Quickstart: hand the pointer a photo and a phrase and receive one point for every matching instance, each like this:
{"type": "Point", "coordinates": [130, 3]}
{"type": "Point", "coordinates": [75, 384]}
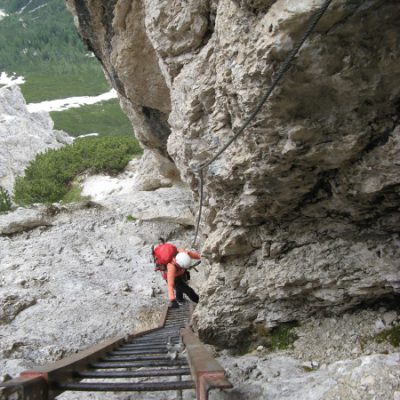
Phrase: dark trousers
{"type": "Point", "coordinates": [181, 287]}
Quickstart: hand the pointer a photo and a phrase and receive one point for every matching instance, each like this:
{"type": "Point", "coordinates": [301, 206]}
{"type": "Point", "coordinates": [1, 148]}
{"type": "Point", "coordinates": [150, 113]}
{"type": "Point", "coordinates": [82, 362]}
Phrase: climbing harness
{"type": "Point", "coordinates": [281, 72]}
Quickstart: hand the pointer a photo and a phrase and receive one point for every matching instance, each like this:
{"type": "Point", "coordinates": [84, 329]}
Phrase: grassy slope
{"type": "Point", "coordinates": [108, 116]}
{"type": "Point", "coordinates": [48, 84]}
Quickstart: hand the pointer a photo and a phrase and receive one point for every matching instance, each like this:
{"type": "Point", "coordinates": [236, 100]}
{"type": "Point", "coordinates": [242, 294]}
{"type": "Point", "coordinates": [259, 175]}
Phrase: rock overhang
{"type": "Point", "coordinates": [301, 213]}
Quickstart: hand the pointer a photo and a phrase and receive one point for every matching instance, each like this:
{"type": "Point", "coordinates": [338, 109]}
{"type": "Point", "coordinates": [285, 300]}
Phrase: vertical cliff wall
{"type": "Point", "coordinates": [302, 212]}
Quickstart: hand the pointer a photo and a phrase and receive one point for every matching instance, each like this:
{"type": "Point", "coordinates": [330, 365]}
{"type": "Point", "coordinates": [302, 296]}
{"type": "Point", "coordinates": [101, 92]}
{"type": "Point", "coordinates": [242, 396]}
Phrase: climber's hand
{"type": "Point", "coordinates": [174, 304]}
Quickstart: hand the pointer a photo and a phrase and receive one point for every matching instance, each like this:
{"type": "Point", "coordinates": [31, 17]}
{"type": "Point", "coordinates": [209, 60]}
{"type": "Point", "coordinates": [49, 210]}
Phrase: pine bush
{"type": "Point", "coordinates": [5, 200]}
{"type": "Point", "coordinates": [49, 176]}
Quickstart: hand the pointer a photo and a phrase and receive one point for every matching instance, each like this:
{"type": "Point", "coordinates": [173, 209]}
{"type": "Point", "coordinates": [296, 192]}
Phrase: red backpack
{"type": "Point", "coordinates": [164, 253]}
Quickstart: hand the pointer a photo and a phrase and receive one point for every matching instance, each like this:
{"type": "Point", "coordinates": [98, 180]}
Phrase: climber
{"type": "Point", "coordinates": [173, 264]}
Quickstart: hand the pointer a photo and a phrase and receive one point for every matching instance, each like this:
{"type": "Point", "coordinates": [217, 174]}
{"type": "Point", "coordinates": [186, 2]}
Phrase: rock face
{"type": "Point", "coordinates": [22, 135]}
{"type": "Point", "coordinates": [301, 213]}
{"type": "Point", "coordinates": [284, 378]}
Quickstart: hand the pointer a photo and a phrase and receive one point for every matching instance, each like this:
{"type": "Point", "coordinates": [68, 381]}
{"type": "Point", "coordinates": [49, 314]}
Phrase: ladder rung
{"type": "Point", "coordinates": [135, 358]}
{"type": "Point", "coordinates": [143, 347]}
{"type": "Point", "coordinates": [133, 364]}
{"type": "Point", "coordinates": [160, 338]}
{"type": "Point", "coordinates": [154, 342]}
{"type": "Point", "coordinates": [134, 374]}
{"type": "Point", "coordinates": [126, 387]}
{"type": "Point", "coordinates": [137, 352]}
{"type": "Point", "coordinates": [165, 335]}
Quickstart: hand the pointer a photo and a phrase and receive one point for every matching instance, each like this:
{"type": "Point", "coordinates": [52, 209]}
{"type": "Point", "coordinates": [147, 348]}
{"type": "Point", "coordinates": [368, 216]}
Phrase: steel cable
{"type": "Point", "coordinates": [281, 72]}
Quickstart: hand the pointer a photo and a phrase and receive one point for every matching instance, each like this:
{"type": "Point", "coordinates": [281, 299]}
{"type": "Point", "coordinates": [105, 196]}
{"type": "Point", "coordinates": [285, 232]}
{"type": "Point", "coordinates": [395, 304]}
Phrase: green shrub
{"type": "Point", "coordinates": [48, 178]}
{"type": "Point", "coordinates": [5, 200]}
{"type": "Point", "coordinates": [281, 337]}
{"type": "Point", "coordinates": [74, 194]}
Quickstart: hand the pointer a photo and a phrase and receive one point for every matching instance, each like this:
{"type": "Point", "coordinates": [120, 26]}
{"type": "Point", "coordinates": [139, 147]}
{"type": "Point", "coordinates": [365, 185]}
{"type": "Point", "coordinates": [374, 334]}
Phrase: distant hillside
{"type": "Point", "coordinates": [38, 40]}
{"type": "Point", "coordinates": [39, 32]}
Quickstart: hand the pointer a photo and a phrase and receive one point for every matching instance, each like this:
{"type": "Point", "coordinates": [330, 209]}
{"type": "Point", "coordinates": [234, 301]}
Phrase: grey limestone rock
{"type": "Point", "coordinates": [285, 378]}
{"type": "Point", "coordinates": [24, 219]}
{"type": "Point", "coordinates": [156, 171]}
{"type": "Point", "coordinates": [23, 135]}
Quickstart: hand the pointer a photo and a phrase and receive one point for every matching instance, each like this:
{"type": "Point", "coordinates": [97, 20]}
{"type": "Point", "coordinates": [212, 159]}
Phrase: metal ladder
{"type": "Point", "coordinates": [152, 356]}
{"type": "Point", "coordinates": [168, 357]}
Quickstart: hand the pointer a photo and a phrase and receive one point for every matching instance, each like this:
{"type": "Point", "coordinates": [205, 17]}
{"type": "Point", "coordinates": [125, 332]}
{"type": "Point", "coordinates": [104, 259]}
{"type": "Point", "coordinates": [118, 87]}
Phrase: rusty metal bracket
{"type": "Point", "coordinates": [206, 371]}
{"type": "Point", "coordinates": [25, 388]}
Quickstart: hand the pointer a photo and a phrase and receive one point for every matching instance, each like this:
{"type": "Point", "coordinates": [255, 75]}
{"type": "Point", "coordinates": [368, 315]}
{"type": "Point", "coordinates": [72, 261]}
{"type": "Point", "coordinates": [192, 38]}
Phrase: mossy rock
{"type": "Point", "coordinates": [391, 336]}
{"type": "Point", "coordinates": [281, 337]}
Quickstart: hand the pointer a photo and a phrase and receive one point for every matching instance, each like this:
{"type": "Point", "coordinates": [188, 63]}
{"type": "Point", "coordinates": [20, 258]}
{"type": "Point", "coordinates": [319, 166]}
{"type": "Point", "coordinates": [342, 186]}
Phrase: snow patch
{"type": "Point", "coordinates": [37, 8]}
{"type": "Point", "coordinates": [10, 80]}
{"type": "Point", "coordinates": [87, 135]}
{"type": "Point", "coordinates": [71, 102]}
{"type": "Point", "coordinates": [7, 118]}
{"type": "Point", "coordinates": [3, 14]}
{"type": "Point", "coordinates": [23, 8]}
{"type": "Point", "coordinates": [100, 187]}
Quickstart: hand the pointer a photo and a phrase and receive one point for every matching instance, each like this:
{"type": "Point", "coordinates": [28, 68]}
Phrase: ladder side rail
{"type": "Point", "coordinates": [206, 371]}
{"type": "Point", "coordinates": [31, 382]}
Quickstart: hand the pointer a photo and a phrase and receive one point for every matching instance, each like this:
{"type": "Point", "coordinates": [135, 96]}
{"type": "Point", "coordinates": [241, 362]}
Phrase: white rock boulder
{"type": "Point", "coordinates": [23, 135]}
